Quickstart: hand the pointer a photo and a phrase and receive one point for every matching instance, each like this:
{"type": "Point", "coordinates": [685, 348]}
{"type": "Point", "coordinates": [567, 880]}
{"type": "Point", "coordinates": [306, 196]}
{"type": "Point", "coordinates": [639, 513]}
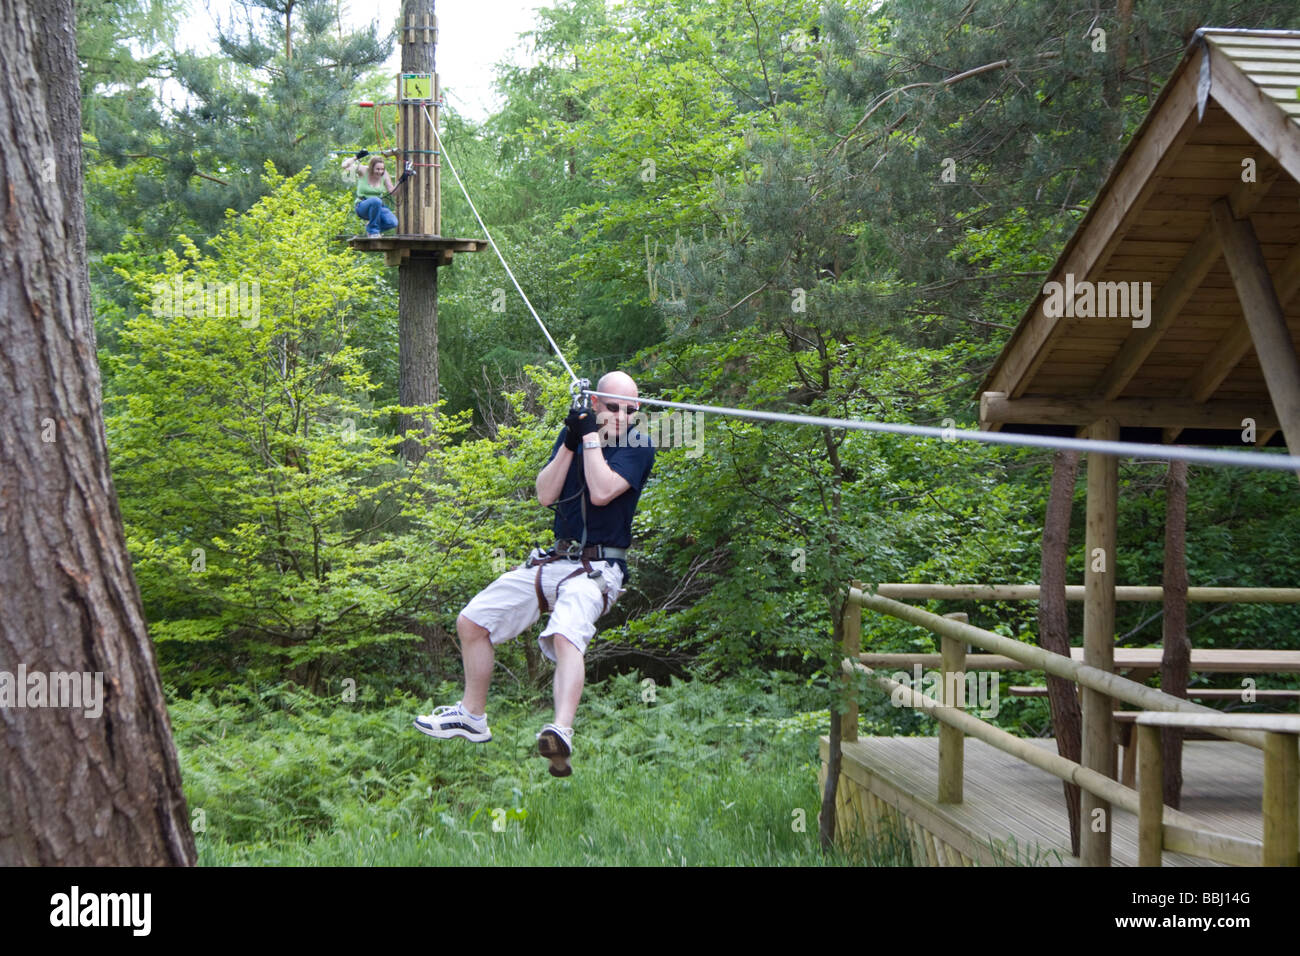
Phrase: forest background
{"type": "Point", "coordinates": [786, 205]}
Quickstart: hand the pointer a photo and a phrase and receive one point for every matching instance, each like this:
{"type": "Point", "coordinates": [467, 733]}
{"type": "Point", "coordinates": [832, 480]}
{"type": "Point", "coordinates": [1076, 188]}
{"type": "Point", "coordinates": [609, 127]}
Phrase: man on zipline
{"type": "Point", "coordinates": [594, 479]}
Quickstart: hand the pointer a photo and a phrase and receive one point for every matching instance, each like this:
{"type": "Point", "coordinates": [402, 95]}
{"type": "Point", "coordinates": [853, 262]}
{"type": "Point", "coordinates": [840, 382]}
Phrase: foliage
{"type": "Point", "coordinates": [283, 778]}
{"type": "Point", "coordinates": [269, 521]}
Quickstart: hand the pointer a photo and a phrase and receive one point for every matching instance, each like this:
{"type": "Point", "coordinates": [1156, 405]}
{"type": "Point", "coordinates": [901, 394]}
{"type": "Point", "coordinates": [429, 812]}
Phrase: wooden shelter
{"type": "Point", "coordinates": [1169, 317]}
{"type": "Point", "coordinates": [1165, 316]}
{"type": "Point", "coordinates": [1204, 206]}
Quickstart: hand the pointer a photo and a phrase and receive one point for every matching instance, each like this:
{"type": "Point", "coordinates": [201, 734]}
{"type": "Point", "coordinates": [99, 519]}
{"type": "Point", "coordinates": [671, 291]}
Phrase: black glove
{"type": "Point", "coordinates": [571, 437]}
{"type": "Point", "coordinates": [362, 153]}
{"type": "Point", "coordinates": [580, 423]}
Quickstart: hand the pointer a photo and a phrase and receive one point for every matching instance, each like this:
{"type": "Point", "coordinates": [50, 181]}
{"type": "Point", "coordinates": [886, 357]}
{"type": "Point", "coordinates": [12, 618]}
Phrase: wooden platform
{"type": "Point", "coordinates": [1013, 812]}
{"type": "Point", "coordinates": [398, 247]}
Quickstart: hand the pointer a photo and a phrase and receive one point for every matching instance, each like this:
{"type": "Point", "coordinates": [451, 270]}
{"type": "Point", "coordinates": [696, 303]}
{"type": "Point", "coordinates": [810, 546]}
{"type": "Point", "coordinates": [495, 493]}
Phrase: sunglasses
{"type": "Point", "coordinates": [615, 407]}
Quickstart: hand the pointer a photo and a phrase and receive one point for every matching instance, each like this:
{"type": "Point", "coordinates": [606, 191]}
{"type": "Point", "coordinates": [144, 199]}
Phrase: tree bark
{"type": "Point", "coordinates": [417, 346]}
{"type": "Point", "coordinates": [76, 787]}
{"type": "Point", "coordinates": [417, 280]}
{"type": "Point", "coordinates": [1053, 624]}
{"type": "Point", "coordinates": [1176, 657]}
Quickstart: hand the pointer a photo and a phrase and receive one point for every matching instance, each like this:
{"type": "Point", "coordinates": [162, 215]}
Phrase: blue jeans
{"type": "Point", "coordinates": [378, 216]}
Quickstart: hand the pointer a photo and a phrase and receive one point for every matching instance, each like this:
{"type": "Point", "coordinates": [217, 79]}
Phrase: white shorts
{"type": "Point", "coordinates": [508, 606]}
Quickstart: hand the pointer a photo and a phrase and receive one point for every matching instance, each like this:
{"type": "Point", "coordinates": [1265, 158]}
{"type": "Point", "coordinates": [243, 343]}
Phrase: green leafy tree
{"type": "Point", "coordinates": [273, 530]}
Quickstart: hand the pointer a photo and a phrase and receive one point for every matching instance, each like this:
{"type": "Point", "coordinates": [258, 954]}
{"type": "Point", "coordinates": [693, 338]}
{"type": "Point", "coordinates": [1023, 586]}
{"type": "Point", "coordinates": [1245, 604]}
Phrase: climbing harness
{"type": "Point", "coordinates": [569, 550]}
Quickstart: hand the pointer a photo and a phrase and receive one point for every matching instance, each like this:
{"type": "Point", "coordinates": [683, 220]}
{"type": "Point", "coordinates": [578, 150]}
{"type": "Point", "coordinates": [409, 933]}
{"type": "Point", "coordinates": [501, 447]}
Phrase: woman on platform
{"type": "Point", "coordinates": [373, 183]}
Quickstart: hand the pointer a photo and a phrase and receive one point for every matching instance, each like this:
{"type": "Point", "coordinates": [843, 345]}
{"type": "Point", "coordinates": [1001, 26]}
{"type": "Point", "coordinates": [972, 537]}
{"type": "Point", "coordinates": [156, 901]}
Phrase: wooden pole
{"type": "Point", "coordinates": [852, 647]}
{"type": "Point", "coordinates": [417, 275]}
{"type": "Point", "coordinates": [1151, 823]}
{"type": "Point", "coordinates": [1075, 592]}
{"type": "Point", "coordinates": [1175, 663]}
{"type": "Point", "coordinates": [1053, 623]}
{"type": "Point", "coordinates": [1281, 799]}
{"type": "Point", "coordinates": [1264, 316]}
{"type": "Point", "coordinates": [952, 742]}
{"type": "Point", "coordinates": [1099, 640]}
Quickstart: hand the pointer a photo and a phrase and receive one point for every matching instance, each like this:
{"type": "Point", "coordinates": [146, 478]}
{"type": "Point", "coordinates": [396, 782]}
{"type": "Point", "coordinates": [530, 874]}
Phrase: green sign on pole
{"type": "Point", "coordinates": [417, 86]}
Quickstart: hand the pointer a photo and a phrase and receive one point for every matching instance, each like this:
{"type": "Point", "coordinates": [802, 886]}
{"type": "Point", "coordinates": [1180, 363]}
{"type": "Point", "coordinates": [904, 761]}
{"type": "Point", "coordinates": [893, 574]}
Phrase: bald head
{"type": "Point", "coordinates": [617, 383]}
{"type": "Point", "coordinates": [613, 423]}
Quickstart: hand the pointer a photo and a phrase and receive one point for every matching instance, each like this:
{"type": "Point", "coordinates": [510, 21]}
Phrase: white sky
{"type": "Point", "coordinates": [473, 35]}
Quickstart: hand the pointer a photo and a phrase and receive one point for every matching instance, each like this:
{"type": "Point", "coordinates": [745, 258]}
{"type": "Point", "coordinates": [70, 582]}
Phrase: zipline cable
{"type": "Point", "coordinates": [1206, 456]}
{"type": "Point", "coordinates": [486, 232]}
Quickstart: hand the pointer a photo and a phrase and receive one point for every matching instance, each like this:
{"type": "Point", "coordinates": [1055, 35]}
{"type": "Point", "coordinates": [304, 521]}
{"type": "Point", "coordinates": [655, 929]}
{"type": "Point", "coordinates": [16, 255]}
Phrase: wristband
{"type": "Point", "coordinates": [591, 442]}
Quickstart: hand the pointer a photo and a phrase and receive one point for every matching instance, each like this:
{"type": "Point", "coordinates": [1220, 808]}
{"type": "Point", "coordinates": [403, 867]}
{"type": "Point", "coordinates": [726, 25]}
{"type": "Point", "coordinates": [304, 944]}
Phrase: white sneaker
{"type": "Point", "coordinates": [556, 743]}
{"type": "Point", "coordinates": [454, 721]}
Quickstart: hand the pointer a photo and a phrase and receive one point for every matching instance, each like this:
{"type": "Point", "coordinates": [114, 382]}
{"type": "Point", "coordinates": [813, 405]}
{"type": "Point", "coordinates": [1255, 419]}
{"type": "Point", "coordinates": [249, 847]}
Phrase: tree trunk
{"type": "Point", "coordinates": [96, 783]}
{"type": "Point", "coordinates": [1053, 624]}
{"type": "Point", "coordinates": [417, 346]}
{"type": "Point", "coordinates": [417, 279]}
{"type": "Point", "coordinates": [1176, 657]}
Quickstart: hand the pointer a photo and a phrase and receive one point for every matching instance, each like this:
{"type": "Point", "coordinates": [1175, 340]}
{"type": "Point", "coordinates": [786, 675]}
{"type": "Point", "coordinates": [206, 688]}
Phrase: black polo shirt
{"type": "Point", "coordinates": [611, 524]}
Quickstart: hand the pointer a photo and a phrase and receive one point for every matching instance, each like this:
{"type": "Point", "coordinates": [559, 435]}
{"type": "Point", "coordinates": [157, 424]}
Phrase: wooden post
{"type": "Point", "coordinates": [1151, 807]}
{"type": "Point", "coordinates": [1099, 640]}
{"type": "Point", "coordinates": [952, 742]}
{"type": "Point", "coordinates": [417, 274]}
{"type": "Point", "coordinates": [435, 171]}
{"type": "Point", "coordinates": [1264, 316]}
{"type": "Point", "coordinates": [1175, 660]}
{"type": "Point", "coordinates": [852, 647]}
{"type": "Point", "coordinates": [1281, 799]}
{"type": "Point", "coordinates": [1053, 624]}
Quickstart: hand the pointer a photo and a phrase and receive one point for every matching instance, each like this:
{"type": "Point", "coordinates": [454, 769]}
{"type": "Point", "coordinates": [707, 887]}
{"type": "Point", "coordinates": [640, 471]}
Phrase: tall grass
{"type": "Point", "coordinates": [702, 774]}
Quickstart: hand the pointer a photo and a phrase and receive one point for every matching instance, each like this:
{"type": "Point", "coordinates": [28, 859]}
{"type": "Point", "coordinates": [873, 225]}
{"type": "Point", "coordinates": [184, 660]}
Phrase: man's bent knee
{"type": "Point", "coordinates": [469, 630]}
{"type": "Point", "coordinates": [565, 647]}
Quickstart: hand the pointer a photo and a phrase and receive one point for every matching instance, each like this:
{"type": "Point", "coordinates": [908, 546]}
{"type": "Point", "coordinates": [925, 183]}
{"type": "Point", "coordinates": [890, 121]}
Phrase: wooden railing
{"type": "Point", "coordinates": [1160, 827]}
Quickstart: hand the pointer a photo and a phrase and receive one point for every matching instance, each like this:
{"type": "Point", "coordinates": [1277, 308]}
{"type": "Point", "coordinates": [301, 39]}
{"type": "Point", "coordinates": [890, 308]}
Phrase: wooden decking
{"type": "Point", "coordinates": [1015, 811]}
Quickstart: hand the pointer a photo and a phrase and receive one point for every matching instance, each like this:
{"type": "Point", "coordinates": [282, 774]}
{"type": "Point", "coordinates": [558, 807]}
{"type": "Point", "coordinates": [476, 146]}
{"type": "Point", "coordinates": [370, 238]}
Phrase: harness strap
{"type": "Point", "coordinates": [542, 605]}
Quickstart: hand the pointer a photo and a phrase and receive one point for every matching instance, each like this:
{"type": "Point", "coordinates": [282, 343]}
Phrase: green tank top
{"type": "Point", "coordinates": [366, 191]}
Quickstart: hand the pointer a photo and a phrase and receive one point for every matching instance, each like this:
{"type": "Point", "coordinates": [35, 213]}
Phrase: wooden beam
{"type": "Point", "coordinates": [1131, 184]}
{"type": "Point", "coordinates": [1151, 808]}
{"type": "Point", "coordinates": [1095, 815]}
{"type": "Point", "coordinates": [1264, 316]}
{"type": "Point", "coordinates": [1176, 660]}
{"type": "Point", "coordinates": [1182, 284]}
{"type": "Point", "coordinates": [997, 408]}
{"type": "Point", "coordinates": [1246, 197]}
{"type": "Point", "coordinates": [1260, 116]}
{"type": "Point", "coordinates": [1169, 301]}
{"type": "Point", "coordinates": [1271, 723]}
{"type": "Point", "coordinates": [1232, 348]}
{"type": "Point", "coordinates": [852, 638]}
{"type": "Point", "coordinates": [952, 742]}
{"type": "Point", "coordinates": [1075, 592]}
{"type": "Point", "coordinates": [1281, 799]}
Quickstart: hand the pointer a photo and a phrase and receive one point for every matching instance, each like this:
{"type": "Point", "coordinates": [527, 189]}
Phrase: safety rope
{"type": "Point", "coordinates": [1205, 456]}
{"type": "Point", "coordinates": [505, 265]}
{"type": "Point", "coordinates": [1123, 449]}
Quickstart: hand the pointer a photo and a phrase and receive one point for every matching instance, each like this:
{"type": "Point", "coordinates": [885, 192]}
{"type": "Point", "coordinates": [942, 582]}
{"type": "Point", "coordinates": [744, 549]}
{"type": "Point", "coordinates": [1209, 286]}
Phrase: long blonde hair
{"type": "Point", "coordinates": [371, 176]}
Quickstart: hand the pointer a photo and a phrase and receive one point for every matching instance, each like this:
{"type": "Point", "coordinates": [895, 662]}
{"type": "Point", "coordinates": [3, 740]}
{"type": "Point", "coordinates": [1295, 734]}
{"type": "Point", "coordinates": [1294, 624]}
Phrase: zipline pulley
{"type": "Point", "coordinates": [578, 393]}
